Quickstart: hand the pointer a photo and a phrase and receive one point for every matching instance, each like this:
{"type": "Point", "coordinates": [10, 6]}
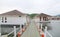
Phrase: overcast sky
{"type": "Point", "coordinates": [51, 7]}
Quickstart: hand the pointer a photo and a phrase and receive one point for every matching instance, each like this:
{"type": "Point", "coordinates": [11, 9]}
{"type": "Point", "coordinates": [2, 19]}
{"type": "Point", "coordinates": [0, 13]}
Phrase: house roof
{"type": "Point", "coordinates": [13, 12]}
{"type": "Point", "coordinates": [42, 14]}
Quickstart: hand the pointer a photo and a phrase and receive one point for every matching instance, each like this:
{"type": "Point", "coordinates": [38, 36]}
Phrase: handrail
{"type": "Point", "coordinates": [11, 32]}
{"type": "Point", "coordinates": [48, 33]}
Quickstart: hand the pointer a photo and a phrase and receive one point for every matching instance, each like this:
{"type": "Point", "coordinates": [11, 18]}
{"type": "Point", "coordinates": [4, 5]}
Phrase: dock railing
{"type": "Point", "coordinates": [15, 32]}
{"type": "Point", "coordinates": [46, 32]}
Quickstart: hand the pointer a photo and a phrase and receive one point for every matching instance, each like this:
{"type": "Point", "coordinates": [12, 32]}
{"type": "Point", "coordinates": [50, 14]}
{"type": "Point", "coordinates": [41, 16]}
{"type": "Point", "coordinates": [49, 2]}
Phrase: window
{"type": "Point", "coordinates": [5, 21]}
{"type": "Point", "coordinates": [44, 18]}
{"type": "Point", "coordinates": [22, 26]}
{"type": "Point", "coordinates": [53, 18]}
{"type": "Point", "coordinates": [40, 18]}
{"type": "Point", "coordinates": [58, 18]}
{"type": "Point", "coordinates": [5, 18]}
{"type": "Point", "coordinates": [2, 19]}
{"type": "Point", "coordinates": [19, 16]}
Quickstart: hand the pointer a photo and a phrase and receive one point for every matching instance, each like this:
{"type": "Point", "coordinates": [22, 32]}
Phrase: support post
{"type": "Point", "coordinates": [0, 30]}
{"type": "Point", "coordinates": [20, 29]}
{"type": "Point", "coordinates": [14, 31]}
{"type": "Point", "coordinates": [45, 31]}
{"type": "Point", "coordinates": [41, 26]}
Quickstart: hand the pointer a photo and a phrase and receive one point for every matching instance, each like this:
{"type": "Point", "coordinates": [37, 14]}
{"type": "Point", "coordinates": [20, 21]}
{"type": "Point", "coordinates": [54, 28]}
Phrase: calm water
{"type": "Point", "coordinates": [55, 31]}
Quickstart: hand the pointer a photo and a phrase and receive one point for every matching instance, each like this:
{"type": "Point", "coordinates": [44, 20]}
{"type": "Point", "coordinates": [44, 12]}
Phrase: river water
{"type": "Point", "coordinates": [55, 31]}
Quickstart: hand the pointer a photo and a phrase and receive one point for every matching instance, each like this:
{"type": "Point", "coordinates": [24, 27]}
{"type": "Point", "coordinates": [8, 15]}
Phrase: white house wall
{"type": "Point", "coordinates": [14, 20]}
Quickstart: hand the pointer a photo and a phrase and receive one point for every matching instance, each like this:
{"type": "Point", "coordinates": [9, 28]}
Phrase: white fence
{"type": "Point", "coordinates": [46, 32]}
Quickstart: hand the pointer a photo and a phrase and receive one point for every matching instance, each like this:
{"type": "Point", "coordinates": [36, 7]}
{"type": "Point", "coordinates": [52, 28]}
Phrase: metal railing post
{"type": "Point", "coordinates": [20, 29]}
{"type": "Point", "coordinates": [14, 31]}
{"type": "Point", "coordinates": [45, 31]}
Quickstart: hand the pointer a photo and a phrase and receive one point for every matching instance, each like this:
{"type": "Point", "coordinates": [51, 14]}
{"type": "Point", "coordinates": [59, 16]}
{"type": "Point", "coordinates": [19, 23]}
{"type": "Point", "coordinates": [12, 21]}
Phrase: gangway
{"type": "Point", "coordinates": [31, 31]}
